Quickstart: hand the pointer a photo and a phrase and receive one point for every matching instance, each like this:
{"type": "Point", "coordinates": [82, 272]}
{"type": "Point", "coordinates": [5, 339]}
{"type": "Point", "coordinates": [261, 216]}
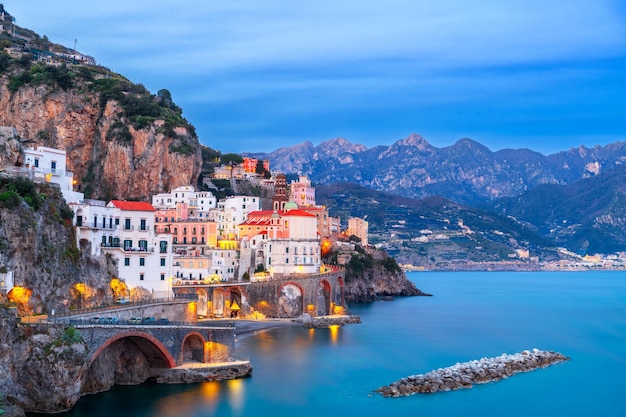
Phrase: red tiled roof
{"type": "Point", "coordinates": [298, 213]}
{"type": "Point", "coordinates": [132, 205]}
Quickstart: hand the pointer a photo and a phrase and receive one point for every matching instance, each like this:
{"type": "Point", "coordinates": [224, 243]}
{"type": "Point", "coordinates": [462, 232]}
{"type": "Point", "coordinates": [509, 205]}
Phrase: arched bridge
{"type": "Point", "coordinates": [163, 346]}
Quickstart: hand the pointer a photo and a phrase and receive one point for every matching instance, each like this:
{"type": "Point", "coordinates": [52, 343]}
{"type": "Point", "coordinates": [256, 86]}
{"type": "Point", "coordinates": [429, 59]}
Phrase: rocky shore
{"type": "Point", "coordinates": [465, 375]}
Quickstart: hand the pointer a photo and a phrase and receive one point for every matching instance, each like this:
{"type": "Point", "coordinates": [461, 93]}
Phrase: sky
{"type": "Point", "coordinates": [254, 76]}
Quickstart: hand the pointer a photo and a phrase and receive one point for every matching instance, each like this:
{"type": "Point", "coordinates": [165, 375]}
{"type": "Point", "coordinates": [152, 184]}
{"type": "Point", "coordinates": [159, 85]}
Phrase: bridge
{"type": "Point", "coordinates": [163, 346]}
{"type": "Point", "coordinates": [165, 333]}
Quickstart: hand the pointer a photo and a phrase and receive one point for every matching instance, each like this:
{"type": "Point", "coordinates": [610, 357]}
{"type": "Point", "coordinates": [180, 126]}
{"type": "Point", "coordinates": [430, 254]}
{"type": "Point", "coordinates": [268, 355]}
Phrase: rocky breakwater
{"type": "Point", "coordinates": [465, 375]}
{"type": "Point", "coordinates": [326, 321]}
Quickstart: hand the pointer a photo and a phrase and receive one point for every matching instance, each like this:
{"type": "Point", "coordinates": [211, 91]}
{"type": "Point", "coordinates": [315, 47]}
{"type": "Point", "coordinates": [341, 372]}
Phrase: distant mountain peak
{"type": "Point", "coordinates": [414, 140]}
{"type": "Point", "coordinates": [338, 146]}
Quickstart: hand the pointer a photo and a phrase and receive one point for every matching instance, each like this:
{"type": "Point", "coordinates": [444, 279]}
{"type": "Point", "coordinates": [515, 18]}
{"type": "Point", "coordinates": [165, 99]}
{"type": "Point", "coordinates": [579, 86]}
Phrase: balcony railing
{"type": "Point", "coordinates": [127, 248]}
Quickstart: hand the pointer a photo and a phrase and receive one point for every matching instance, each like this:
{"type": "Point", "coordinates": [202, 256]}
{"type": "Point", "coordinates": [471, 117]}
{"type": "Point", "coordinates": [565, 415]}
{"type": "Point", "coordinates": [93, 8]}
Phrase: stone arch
{"type": "Point", "coordinates": [217, 303]}
{"type": "Point", "coordinates": [203, 298]}
{"type": "Point", "coordinates": [290, 300]}
{"type": "Point", "coordinates": [154, 351]}
{"type": "Point", "coordinates": [339, 298]}
{"type": "Point", "coordinates": [235, 301]}
{"type": "Point", "coordinates": [322, 299]}
{"type": "Point", "coordinates": [192, 348]}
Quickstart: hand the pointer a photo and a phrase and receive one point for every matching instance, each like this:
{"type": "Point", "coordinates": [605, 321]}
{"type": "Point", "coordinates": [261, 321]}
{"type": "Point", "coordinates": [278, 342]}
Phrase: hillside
{"type": "Point", "coordinates": [587, 216]}
{"type": "Point", "coordinates": [435, 232]}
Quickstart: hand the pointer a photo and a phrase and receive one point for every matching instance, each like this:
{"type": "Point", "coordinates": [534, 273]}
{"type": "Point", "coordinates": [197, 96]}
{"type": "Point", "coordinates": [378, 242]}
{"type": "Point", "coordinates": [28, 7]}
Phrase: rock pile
{"type": "Point", "coordinates": [465, 375]}
{"type": "Point", "coordinates": [326, 321]}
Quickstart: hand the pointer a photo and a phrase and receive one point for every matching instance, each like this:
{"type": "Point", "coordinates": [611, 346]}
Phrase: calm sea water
{"type": "Point", "coordinates": [471, 315]}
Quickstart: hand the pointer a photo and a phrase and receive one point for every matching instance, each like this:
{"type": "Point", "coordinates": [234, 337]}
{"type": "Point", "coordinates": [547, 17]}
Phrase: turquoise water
{"type": "Point", "coordinates": [472, 315]}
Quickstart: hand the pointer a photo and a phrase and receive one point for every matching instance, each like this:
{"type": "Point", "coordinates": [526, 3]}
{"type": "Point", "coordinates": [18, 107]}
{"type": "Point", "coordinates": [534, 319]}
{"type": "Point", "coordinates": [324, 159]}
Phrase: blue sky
{"type": "Point", "coordinates": [254, 76]}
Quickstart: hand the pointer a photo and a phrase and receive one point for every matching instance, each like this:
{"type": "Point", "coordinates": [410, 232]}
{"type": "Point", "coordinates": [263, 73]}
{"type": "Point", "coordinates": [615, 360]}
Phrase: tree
{"type": "Point", "coordinates": [231, 158]}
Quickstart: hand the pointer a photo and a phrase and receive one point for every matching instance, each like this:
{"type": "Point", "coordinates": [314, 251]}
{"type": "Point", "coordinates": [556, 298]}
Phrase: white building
{"type": "Point", "coordinates": [198, 201]}
{"type": "Point", "coordinates": [232, 211]}
{"type": "Point", "coordinates": [49, 165]}
{"type": "Point", "coordinates": [298, 252]}
{"type": "Point", "coordinates": [144, 259]}
{"type": "Point", "coordinates": [302, 193]}
{"type": "Point", "coordinates": [97, 224]}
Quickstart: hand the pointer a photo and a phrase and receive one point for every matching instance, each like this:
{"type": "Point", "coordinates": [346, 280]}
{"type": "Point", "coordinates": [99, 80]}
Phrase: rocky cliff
{"type": "Point", "coordinates": [42, 367]}
{"type": "Point", "coordinates": [121, 141]}
{"type": "Point", "coordinates": [373, 275]}
{"type": "Point", "coordinates": [37, 244]}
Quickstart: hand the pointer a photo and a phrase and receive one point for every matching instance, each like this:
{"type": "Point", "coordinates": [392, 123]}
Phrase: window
{"type": "Point", "coordinates": [143, 245]}
{"type": "Point", "coordinates": [126, 224]}
{"type": "Point", "coordinates": [79, 221]}
{"type": "Point", "coordinates": [163, 246]}
{"type": "Point", "coordinates": [287, 250]}
{"type": "Point", "coordinates": [142, 224]}
{"type": "Point", "coordinates": [162, 261]}
{"type": "Point", "coordinates": [104, 240]}
{"type": "Point", "coordinates": [175, 240]}
{"type": "Point", "coordinates": [162, 277]}
{"type": "Point", "coordinates": [128, 244]}
{"type": "Point", "coordinates": [117, 222]}
{"type": "Point", "coordinates": [36, 162]}
{"type": "Point", "coordinates": [104, 222]}
{"type": "Point", "coordinates": [142, 261]}
{"type": "Point", "coordinates": [193, 239]}
{"type": "Point", "coordinates": [126, 261]}
{"type": "Point", "coordinates": [286, 260]}
{"type": "Point", "coordinates": [140, 277]}
{"type": "Point", "coordinates": [95, 221]}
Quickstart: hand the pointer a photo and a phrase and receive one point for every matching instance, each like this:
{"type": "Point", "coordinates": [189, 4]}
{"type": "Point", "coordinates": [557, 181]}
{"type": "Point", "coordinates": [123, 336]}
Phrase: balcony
{"type": "Point", "coordinates": [127, 249]}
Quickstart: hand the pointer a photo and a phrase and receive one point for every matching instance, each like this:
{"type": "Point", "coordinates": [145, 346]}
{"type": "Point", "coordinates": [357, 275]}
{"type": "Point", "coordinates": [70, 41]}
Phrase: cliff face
{"type": "Point", "coordinates": [37, 243]}
{"type": "Point", "coordinates": [109, 156]}
{"type": "Point", "coordinates": [43, 367]}
{"type": "Point", "coordinates": [373, 274]}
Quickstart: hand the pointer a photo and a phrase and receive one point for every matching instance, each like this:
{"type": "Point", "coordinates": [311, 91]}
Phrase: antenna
{"type": "Point", "coordinates": [75, 41]}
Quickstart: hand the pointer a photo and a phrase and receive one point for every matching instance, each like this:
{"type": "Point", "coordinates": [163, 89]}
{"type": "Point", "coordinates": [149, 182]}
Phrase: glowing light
{"type": "Point", "coordinates": [210, 390]}
{"type": "Point", "coordinates": [192, 309]}
{"type": "Point", "coordinates": [235, 393]}
{"type": "Point", "coordinates": [334, 333]}
{"type": "Point", "coordinates": [339, 310]}
{"type": "Point", "coordinates": [81, 287]}
{"type": "Point", "coordinates": [20, 295]}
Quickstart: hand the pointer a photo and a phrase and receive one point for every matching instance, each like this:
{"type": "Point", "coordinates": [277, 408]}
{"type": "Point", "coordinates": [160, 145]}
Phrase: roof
{"type": "Point", "coordinates": [132, 205]}
{"type": "Point", "coordinates": [299, 213]}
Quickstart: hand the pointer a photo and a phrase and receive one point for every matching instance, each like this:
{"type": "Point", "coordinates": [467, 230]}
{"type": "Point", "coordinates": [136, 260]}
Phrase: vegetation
{"type": "Point", "coordinates": [140, 108]}
{"type": "Point", "coordinates": [15, 190]}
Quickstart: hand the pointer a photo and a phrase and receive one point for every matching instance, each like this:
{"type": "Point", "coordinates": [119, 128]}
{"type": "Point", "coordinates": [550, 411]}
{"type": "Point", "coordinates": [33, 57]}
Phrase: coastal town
{"type": "Point", "coordinates": [187, 242]}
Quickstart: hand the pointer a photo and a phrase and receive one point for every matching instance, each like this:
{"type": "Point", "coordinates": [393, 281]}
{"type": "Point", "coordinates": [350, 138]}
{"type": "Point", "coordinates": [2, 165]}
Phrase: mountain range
{"type": "Point", "coordinates": [465, 172]}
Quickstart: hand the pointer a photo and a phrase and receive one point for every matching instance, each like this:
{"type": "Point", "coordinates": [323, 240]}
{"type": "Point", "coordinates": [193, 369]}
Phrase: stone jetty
{"type": "Point", "coordinates": [465, 375]}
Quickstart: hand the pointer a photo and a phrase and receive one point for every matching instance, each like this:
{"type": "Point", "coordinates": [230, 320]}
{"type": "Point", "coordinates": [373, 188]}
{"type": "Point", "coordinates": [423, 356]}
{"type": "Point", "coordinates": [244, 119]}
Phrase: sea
{"type": "Point", "coordinates": [334, 371]}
